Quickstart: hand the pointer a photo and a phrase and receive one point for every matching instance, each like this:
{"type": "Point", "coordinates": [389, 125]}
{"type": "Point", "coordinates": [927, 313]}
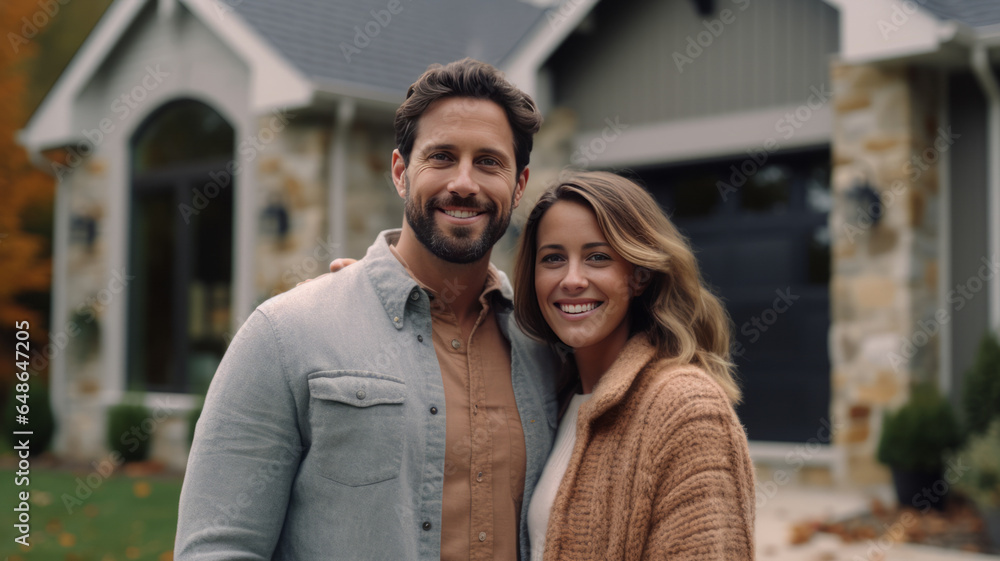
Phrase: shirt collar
{"type": "Point", "coordinates": [394, 285]}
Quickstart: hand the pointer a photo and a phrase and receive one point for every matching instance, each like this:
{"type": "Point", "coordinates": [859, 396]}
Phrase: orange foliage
{"type": "Point", "coordinates": [24, 269]}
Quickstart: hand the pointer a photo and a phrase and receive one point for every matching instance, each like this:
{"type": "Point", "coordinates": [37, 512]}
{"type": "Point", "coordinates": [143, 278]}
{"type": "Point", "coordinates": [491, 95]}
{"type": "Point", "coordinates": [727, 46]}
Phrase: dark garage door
{"type": "Point", "coordinates": [764, 246]}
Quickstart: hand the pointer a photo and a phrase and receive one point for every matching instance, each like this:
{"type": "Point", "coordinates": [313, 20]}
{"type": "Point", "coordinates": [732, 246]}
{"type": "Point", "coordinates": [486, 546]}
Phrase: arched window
{"type": "Point", "coordinates": [181, 243]}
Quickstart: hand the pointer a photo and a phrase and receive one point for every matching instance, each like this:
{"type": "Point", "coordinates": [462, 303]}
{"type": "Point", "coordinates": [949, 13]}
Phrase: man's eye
{"type": "Point", "coordinates": [438, 156]}
{"type": "Point", "coordinates": [489, 162]}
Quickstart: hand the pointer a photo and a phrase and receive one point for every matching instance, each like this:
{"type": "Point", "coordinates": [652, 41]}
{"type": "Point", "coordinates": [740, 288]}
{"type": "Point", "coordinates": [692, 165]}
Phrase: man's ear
{"type": "Point", "coordinates": [522, 181]}
{"type": "Point", "coordinates": [399, 173]}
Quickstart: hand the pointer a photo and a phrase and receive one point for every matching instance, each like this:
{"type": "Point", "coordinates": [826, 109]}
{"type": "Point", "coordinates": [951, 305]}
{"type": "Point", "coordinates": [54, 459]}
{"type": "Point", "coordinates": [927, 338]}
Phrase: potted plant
{"type": "Point", "coordinates": [913, 444]}
{"type": "Point", "coordinates": [981, 480]}
{"type": "Point", "coordinates": [981, 396]}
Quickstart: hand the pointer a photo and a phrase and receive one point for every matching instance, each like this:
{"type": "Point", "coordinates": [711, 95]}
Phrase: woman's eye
{"type": "Point", "coordinates": [600, 257]}
{"type": "Point", "coordinates": [551, 258]}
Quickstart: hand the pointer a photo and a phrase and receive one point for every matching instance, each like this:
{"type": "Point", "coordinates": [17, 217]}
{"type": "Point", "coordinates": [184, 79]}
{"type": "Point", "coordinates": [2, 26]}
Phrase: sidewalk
{"type": "Point", "coordinates": [796, 503]}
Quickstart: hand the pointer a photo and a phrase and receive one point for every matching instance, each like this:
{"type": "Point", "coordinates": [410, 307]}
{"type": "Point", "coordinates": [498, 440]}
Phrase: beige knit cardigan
{"type": "Point", "coordinates": [660, 469]}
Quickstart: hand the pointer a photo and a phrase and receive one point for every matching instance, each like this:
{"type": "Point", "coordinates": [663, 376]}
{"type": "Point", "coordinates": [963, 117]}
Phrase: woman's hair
{"type": "Point", "coordinates": [679, 315]}
{"type": "Point", "coordinates": [470, 79]}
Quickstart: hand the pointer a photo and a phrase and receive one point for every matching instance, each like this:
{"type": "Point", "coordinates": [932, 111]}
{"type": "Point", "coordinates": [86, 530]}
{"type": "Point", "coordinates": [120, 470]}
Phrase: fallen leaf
{"type": "Point", "coordinates": [132, 552]}
{"type": "Point", "coordinates": [67, 540]}
{"type": "Point", "coordinates": [141, 489]}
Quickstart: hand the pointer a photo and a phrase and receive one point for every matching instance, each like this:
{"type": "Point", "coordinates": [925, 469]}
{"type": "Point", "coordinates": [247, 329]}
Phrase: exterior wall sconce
{"type": "Point", "coordinates": [274, 219]}
{"type": "Point", "coordinates": [83, 230]}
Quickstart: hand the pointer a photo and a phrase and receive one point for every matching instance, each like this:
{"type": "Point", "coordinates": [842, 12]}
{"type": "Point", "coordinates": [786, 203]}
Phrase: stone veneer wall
{"type": "Point", "coordinates": [884, 279]}
{"type": "Point", "coordinates": [80, 412]}
{"type": "Point", "coordinates": [293, 171]}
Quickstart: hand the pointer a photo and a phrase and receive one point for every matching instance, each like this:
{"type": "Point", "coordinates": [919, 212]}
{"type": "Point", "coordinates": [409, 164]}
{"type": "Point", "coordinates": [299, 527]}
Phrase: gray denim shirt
{"type": "Point", "coordinates": [317, 439]}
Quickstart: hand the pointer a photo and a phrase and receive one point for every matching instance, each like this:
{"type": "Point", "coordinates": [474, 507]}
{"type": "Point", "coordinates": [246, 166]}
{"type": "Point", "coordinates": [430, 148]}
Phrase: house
{"type": "Point", "coordinates": [834, 163]}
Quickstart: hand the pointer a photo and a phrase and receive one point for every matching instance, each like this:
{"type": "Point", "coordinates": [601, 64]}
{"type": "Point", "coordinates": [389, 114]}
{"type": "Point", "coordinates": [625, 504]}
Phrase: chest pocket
{"type": "Point", "coordinates": [356, 419]}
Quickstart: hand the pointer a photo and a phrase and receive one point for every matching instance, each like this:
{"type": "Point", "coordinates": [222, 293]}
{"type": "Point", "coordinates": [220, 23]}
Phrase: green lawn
{"type": "Point", "coordinates": [123, 518]}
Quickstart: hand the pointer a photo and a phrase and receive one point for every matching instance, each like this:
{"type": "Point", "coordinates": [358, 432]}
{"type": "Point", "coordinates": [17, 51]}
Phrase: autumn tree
{"type": "Point", "coordinates": [24, 190]}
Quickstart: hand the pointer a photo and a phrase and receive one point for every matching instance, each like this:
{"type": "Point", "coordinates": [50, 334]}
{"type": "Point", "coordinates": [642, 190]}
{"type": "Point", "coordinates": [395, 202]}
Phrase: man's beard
{"type": "Point", "coordinates": [460, 247]}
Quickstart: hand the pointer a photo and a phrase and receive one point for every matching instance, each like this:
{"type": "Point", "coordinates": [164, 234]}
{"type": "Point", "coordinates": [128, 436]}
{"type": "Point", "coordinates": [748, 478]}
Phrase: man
{"type": "Point", "coordinates": [392, 410]}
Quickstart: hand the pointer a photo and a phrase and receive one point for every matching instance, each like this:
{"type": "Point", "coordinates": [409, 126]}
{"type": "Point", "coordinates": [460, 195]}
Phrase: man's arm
{"type": "Point", "coordinates": [245, 454]}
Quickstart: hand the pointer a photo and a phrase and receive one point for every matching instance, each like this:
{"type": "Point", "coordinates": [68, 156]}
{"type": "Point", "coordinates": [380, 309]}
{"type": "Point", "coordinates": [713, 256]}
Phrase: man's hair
{"type": "Point", "coordinates": [675, 309]}
{"type": "Point", "coordinates": [471, 79]}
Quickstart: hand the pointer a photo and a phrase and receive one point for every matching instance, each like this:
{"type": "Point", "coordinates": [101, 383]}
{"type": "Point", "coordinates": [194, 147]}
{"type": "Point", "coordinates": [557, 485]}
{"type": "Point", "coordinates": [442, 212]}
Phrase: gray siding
{"type": "Point", "coordinates": [621, 62]}
{"type": "Point", "coordinates": [969, 229]}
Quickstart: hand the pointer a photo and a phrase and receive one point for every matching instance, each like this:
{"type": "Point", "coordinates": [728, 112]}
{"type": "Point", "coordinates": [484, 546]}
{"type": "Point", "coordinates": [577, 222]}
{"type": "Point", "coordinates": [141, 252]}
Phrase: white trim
{"type": "Point", "coordinates": [244, 230]}
{"type": "Point", "coordinates": [708, 137]}
{"type": "Point", "coordinates": [981, 67]}
{"type": "Point", "coordinates": [273, 81]}
{"type": "Point", "coordinates": [51, 124]}
{"type": "Point", "coordinates": [174, 402]}
{"type": "Point", "coordinates": [337, 161]}
{"type": "Point", "coordinates": [944, 244]}
{"type": "Point", "coordinates": [776, 454]}
{"type": "Point", "coordinates": [872, 30]}
{"type": "Point", "coordinates": [59, 315]}
{"type": "Point", "coordinates": [522, 64]}
{"type": "Point", "coordinates": [114, 351]}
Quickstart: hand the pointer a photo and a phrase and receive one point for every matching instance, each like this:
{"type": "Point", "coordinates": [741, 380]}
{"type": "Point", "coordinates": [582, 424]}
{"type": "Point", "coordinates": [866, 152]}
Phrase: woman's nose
{"type": "Point", "coordinates": [574, 280]}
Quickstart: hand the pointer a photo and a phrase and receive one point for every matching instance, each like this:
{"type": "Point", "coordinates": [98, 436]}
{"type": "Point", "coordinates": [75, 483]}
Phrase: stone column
{"type": "Point", "coordinates": [885, 251]}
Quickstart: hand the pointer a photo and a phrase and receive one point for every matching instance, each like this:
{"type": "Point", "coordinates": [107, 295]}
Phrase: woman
{"type": "Point", "coordinates": [650, 461]}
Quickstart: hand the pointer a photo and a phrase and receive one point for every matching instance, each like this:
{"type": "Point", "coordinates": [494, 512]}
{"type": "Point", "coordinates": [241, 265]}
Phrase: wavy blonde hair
{"type": "Point", "coordinates": [678, 313]}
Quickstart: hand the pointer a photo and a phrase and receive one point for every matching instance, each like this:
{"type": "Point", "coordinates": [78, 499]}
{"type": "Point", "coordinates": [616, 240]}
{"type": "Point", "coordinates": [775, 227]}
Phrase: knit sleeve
{"type": "Point", "coordinates": [704, 504]}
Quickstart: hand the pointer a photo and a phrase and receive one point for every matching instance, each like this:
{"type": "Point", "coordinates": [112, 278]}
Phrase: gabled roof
{"type": "Point", "coordinates": [362, 43]}
{"type": "Point", "coordinates": [974, 13]}
{"type": "Point", "coordinates": [296, 48]}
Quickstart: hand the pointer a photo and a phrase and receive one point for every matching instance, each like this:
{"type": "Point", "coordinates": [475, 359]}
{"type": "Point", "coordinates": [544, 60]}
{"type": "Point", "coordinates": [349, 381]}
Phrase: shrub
{"type": "Point", "coordinates": [40, 420]}
{"type": "Point", "coordinates": [982, 455]}
{"type": "Point", "coordinates": [916, 437]}
{"type": "Point", "coordinates": [126, 433]}
{"type": "Point", "coordinates": [981, 394]}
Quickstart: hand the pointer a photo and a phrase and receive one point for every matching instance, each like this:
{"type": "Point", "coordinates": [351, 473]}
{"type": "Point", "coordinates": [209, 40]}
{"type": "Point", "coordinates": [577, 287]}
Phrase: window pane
{"type": "Point", "coordinates": [768, 190]}
{"type": "Point", "coordinates": [184, 132]}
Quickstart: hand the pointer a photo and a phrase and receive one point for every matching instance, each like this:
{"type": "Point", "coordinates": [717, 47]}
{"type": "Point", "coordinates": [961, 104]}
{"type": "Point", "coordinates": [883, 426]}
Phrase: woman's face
{"type": "Point", "coordinates": [582, 283]}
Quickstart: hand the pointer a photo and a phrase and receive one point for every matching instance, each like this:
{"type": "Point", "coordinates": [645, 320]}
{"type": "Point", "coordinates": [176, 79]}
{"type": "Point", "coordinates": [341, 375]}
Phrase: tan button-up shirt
{"type": "Point", "coordinates": [484, 444]}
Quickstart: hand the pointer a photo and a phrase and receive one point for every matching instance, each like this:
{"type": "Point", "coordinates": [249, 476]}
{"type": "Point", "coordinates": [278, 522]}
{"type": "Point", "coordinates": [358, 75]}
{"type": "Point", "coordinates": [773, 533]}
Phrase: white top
{"type": "Point", "coordinates": [555, 467]}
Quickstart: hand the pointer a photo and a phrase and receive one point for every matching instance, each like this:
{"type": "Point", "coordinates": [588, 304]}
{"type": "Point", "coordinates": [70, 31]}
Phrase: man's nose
{"type": "Point", "coordinates": [462, 183]}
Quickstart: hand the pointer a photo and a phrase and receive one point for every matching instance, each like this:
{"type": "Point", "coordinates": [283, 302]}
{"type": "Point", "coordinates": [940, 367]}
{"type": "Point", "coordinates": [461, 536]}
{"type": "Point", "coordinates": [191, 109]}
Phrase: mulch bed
{"type": "Point", "coordinates": [958, 526]}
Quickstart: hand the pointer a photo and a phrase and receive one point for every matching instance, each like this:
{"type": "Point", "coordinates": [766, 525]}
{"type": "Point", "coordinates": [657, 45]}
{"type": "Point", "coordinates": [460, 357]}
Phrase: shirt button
{"type": "Point", "coordinates": [420, 338]}
{"type": "Point", "coordinates": [427, 526]}
{"type": "Point", "coordinates": [414, 295]}
{"type": "Point", "coordinates": [395, 319]}
{"type": "Point", "coordinates": [479, 476]}
{"type": "Point", "coordinates": [361, 394]}
{"type": "Point", "coordinates": [482, 536]}
{"type": "Point", "coordinates": [455, 344]}
{"type": "Point", "coordinates": [434, 410]}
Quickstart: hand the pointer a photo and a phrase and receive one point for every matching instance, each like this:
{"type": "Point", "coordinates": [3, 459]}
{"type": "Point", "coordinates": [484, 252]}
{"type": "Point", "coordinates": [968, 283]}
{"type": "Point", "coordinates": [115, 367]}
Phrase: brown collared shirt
{"type": "Point", "coordinates": [484, 443]}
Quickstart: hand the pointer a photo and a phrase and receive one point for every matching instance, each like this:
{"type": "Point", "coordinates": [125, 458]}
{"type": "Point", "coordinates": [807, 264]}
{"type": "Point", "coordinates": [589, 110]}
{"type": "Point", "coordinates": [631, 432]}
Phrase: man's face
{"type": "Point", "coordinates": [461, 184]}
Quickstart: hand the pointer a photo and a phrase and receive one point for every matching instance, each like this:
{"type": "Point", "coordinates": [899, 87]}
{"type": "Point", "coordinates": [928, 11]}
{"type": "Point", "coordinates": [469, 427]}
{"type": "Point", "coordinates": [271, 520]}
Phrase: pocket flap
{"type": "Point", "coordinates": [357, 388]}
